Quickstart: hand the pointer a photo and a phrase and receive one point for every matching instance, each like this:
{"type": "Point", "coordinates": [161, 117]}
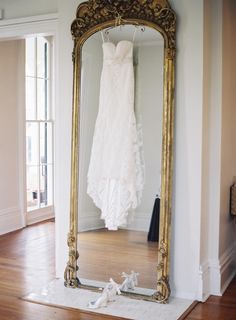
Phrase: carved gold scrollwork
{"type": "Point", "coordinates": [91, 13]}
{"type": "Point", "coordinates": [70, 239]}
{"type": "Point", "coordinates": [163, 295]}
{"type": "Point", "coordinates": [170, 53]}
{"type": "Point", "coordinates": [71, 269]}
{"type": "Point", "coordinates": [162, 253]}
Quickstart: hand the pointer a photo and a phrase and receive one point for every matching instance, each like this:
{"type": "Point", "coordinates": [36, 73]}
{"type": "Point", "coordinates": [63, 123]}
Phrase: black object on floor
{"type": "Point", "coordinates": [153, 234]}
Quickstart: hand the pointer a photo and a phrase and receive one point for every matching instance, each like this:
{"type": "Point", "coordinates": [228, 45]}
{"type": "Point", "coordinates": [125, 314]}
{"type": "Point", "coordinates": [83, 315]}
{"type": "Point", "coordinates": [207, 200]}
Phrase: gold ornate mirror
{"type": "Point", "coordinates": [147, 27]}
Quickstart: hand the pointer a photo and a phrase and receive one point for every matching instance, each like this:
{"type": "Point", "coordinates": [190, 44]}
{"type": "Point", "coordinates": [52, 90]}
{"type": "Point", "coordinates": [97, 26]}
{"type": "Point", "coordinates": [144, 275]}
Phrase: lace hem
{"type": "Point", "coordinates": [114, 199]}
{"type": "Point", "coordinates": [116, 196]}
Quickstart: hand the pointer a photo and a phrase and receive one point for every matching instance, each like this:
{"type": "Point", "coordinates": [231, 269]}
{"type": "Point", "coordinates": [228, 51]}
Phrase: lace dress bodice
{"type": "Point", "coordinates": [118, 54]}
{"type": "Point", "coordinates": [116, 172]}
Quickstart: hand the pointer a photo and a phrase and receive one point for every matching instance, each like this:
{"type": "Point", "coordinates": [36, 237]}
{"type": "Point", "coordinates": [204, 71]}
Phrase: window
{"type": "Point", "coordinates": [39, 124]}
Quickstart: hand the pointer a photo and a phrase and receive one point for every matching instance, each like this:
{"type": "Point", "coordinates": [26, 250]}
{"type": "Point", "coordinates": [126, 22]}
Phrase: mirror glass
{"type": "Point", "coordinates": [103, 253]}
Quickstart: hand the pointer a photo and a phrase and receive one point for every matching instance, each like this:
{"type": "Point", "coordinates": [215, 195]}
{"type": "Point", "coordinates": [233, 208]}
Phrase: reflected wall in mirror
{"type": "Point", "coordinates": [106, 254]}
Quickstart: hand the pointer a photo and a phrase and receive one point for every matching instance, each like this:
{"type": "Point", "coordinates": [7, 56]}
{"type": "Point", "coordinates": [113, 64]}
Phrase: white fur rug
{"type": "Point", "coordinates": [56, 294]}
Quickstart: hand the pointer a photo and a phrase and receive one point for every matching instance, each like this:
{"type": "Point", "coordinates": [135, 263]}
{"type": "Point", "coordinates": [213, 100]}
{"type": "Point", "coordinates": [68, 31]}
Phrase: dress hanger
{"type": "Point", "coordinates": [103, 40]}
{"type": "Point", "coordinates": [136, 25]}
{"type": "Point", "coordinates": [142, 29]}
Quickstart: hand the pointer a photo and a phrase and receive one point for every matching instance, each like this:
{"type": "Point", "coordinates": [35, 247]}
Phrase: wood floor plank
{"type": "Point", "coordinates": [105, 254]}
{"type": "Point", "coordinates": [217, 308]}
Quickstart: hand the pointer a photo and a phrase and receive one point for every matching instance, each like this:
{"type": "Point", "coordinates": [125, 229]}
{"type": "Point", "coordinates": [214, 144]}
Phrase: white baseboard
{"type": "Point", "coordinates": [10, 220]}
{"type": "Point", "coordinates": [140, 222]}
{"type": "Point", "coordinates": [40, 215]}
{"type": "Point", "coordinates": [178, 292]}
{"type": "Point", "coordinates": [204, 283]}
{"type": "Point", "coordinates": [183, 295]}
{"type": "Point", "coordinates": [216, 275]}
{"type": "Point", "coordinates": [227, 267]}
{"type": "Point", "coordinates": [90, 221]}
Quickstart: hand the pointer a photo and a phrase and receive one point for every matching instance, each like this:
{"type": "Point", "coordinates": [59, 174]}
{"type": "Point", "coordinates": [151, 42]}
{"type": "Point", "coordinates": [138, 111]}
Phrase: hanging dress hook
{"type": "Point", "coordinates": [142, 28]}
{"type": "Point", "coordinates": [118, 19]}
{"type": "Point", "coordinates": [137, 26]}
{"type": "Point", "coordinates": [107, 34]}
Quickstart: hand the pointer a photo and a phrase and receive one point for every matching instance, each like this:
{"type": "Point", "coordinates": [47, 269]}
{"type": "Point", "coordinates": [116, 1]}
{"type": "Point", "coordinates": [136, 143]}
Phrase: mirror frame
{"type": "Point", "coordinates": [93, 16]}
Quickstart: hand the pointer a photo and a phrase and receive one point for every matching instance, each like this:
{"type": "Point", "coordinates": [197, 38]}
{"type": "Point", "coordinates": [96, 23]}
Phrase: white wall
{"type": "Point", "coordinates": [66, 10]}
{"type": "Point", "coordinates": [211, 139]}
{"type": "Point", "coordinates": [148, 108]}
{"type": "Point", "coordinates": [185, 249]}
{"type": "Point", "coordinates": [89, 214]}
{"type": "Point", "coordinates": [11, 78]}
{"type": "Point", "coordinates": [227, 246]}
{"type": "Point", "coordinates": [218, 161]}
{"type": "Point", "coordinates": [11, 30]}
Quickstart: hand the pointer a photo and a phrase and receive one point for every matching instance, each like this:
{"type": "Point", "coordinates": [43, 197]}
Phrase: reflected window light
{"type": "Point", "coordinates": [39, 123]}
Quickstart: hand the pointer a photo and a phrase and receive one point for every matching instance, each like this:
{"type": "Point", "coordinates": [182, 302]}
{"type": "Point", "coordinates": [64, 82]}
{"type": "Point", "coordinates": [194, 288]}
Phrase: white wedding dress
{"type": "Point", "coordinates": [116, 170]}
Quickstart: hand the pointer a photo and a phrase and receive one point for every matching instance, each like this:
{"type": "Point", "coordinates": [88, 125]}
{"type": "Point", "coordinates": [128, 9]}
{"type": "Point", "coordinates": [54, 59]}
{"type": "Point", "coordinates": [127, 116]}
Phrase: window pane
{"type": "Point", "coordinates": [30, 63]}
{"type": "Point", "coordinates": [42, 99]}
{"type": "Point", "coordinates": [32, 143]}
{"type": "Point", "coordinates": [32, 187]}
{"type": "Point", "coordinates": [46, 186]}
{"type": "Point", "coordinates": [39, 149]}
{"type": "Point", "coordinates": [41, 57]}
{"type": "Point", "coordinates": [30, 98]}
{"type": "Point", "coordinates": [46, 143]}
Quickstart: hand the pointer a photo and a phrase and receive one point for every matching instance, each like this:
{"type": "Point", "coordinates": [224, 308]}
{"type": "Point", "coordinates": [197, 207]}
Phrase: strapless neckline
{"type": "Point", "coordinates": [123, 49]}
{"type": "Point", "coordinates": [115, 45]}
{"type": "Point", "coordinates": [118, 43]}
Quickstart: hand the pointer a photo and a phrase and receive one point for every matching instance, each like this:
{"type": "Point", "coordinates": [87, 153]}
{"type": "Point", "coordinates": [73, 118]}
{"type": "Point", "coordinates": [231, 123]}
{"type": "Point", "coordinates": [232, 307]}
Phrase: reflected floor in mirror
{"type": "Point", "coordinates": [105, 254]}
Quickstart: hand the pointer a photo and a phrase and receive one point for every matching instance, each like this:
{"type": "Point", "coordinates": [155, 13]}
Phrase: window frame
{"type": "Point", "coordinates": [45, 212]}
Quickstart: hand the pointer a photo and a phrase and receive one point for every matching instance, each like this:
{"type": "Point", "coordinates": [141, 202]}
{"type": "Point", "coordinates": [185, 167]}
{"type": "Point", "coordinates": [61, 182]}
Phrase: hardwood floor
{"type": "Point", "coordinates": [217, 308]}
{"type": "Point", "coordinates": [27, 263]}
{"type": "Point", "coordinates": [105, 254]}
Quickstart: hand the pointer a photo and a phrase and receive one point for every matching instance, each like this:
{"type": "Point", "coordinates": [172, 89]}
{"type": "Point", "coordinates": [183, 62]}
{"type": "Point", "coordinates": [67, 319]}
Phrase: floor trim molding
{"type": "Point", "coordinates": [227, 267]}
{"type": "Point", "coordinates": [10, 219]}
{"type": "Point", "coordinates": [216, 275]}
{"type": "Point", "coordinates": [39, 215]}
{"type": "Point", "coordinates": [204, 284]}
{"type": "Point", "coordinates": [90, 221]}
